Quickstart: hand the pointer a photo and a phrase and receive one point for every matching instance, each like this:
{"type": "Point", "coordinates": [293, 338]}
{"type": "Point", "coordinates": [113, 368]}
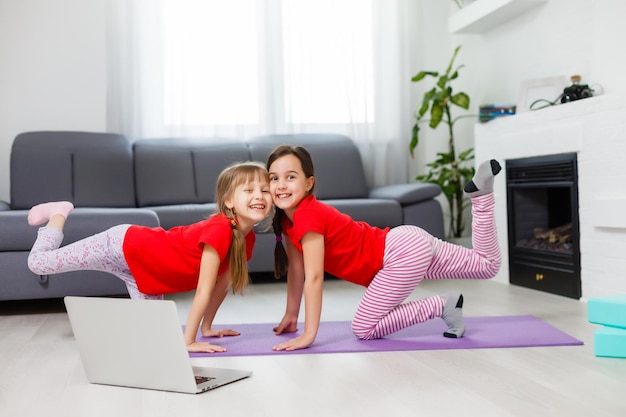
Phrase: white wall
{"type": "Point", "coordinates": [52, 70]}
{"type": "Point", "coordinates": [559, 37]}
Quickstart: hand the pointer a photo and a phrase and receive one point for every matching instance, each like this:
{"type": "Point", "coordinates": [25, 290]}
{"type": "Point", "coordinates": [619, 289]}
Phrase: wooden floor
{"type": "Point", "coordinates": [41, 373]}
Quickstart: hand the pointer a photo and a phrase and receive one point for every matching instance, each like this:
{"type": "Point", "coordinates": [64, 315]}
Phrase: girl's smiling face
{"type": "Point", "coordinates": [251, 201]}
{"type": "Point", "coordinates": [288, 183]}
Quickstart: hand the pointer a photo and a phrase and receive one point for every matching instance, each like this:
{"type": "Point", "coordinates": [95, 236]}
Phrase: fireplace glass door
{"type": "Point", "coordinates": [542, 205]}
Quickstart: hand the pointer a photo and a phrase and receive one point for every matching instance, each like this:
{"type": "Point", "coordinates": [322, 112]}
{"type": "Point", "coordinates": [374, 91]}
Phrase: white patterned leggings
{"type": "Point", "coordinates": [100, 252]}
{"type": "Point", "coordinates": [411, 255]}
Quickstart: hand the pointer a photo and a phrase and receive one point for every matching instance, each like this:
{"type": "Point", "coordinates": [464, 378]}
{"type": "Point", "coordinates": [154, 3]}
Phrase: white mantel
{"type": "Point", "coordinates": [594, 128]}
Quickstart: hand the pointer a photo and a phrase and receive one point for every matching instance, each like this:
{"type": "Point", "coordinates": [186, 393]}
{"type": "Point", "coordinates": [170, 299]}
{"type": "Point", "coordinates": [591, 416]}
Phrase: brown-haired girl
{"type": "Point", "coordinates": [390, 263]}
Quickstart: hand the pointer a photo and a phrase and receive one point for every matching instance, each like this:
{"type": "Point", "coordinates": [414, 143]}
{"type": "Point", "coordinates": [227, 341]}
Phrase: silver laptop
{"type": "Point", "coordinates": [140, 344]}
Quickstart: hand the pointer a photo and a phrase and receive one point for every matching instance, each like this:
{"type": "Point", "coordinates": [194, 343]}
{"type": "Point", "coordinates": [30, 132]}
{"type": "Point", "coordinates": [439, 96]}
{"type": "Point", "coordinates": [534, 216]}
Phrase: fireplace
{"type": "Point", "coordinates": [543, 226]}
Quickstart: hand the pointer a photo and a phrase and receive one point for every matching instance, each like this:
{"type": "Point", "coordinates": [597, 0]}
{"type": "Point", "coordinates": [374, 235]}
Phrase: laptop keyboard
{"type": "Point", "coordinates": [203, 379]}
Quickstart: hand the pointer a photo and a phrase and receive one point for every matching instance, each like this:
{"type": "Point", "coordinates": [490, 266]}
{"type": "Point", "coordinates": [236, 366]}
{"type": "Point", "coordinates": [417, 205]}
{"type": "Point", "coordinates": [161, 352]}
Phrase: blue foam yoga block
{"type": "Point", "coordinates": [608, 311]}
{"type": "Point", "coordinates": [610, 342]}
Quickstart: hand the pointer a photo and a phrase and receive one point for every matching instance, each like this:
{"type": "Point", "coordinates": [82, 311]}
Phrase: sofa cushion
{"type": "Point", "coordinates": [378, 213]}
{"type": "Point", "coordinates": [182, 214]}
{"type": "Point", "coordinates": [331, 153]}
{"type": "Point", "coordinates": [16, 234]}
{"type": "Point", "coordinates": [406, 194]}
{"type": "Point", "coordinates": [182, 171]}
{"type": "Point", "coordinates": [89, 169]}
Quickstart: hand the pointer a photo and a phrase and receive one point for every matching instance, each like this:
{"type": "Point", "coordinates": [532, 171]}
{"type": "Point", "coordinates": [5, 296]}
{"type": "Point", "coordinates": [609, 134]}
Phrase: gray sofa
{"type": "Point", "coordinates": [168, 182]}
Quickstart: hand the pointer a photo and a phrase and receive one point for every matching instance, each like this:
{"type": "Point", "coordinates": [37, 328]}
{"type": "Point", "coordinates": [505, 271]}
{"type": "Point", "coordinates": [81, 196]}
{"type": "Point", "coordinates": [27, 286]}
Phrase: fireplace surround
{"type": "Point", "coordinates": [595, 130]}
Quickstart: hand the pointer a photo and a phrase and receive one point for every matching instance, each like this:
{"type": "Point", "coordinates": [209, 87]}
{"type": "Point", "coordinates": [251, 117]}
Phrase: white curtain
{"type": "Point", "coordinates": [242, 68]}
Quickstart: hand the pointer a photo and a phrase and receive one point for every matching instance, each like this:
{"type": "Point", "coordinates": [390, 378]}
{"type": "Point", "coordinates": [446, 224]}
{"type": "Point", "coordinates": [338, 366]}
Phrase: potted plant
{"type": "Point", "coordinates": [451, 170]}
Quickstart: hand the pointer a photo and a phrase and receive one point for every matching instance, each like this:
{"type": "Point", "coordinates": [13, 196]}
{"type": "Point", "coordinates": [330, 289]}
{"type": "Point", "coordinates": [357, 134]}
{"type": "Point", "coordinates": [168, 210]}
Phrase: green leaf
{"type": "Point", "coordinates": [423, 109]}
{"type": "Point", "coordinates": [414, 140]}
{"type": "Point", "coordinates": [436, 113]}
{"type": "Point", "coordinates": [428, 96]}
{"type": "Point", "coordinates": [441, 83]}
{"type": "Point", "coordinates": [456, 72]}
{"type": "Point", "coordinates": [423, 74]}
{"type": "Point", "coordinates": [456, 51]}
{"type": "Point", "coordinates": [445, 157]}
{"type": "Point", "coordinates": [461, 100]}
{"type": "Point", "coordinates": [441, 97]}
{"type": "Point", "coordinates": [448, 190]}
{"type": "Point", "coordinates": [467, 155]}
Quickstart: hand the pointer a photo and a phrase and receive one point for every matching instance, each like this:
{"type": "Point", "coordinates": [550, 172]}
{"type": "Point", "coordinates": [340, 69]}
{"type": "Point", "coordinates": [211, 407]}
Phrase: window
{"type": "Point", "coordinates": [244, 68]}
{"type": "Point", "coordinates": [210, 63]}
{"type": "Point", "coordinates": [294, 62]}
{"type": "Point", "coordinates": [328, 61]}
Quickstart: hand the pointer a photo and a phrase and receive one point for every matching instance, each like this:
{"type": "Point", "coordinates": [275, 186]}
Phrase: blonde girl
{"type": "Point", "coordinates": [209, 256]}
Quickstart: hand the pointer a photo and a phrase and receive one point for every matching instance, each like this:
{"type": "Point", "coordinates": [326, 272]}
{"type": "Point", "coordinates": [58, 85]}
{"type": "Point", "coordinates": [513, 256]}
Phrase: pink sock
{"type": "Point", "coordinates": [41, 213]}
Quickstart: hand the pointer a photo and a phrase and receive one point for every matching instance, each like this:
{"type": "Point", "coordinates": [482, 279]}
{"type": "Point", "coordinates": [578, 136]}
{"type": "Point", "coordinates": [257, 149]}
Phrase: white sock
{"type": "Point", "coordinates": [482, 183]}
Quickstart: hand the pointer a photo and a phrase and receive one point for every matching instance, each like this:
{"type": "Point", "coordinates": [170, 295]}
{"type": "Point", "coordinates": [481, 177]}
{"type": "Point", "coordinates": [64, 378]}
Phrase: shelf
{"type": "Point", "coordinates": [482, 15]}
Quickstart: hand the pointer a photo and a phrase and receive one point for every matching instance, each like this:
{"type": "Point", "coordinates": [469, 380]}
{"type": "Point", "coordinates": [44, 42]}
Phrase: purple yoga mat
{"type": "Point", "coordinates": [337, 337]}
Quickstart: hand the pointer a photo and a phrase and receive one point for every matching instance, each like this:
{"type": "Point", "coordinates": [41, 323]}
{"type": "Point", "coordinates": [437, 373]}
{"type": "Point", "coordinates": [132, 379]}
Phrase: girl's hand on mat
{"type": "Point", "coordinates": [204, 347]}
{"type": "Point", "coordinates": [300, 342]}
{"type": "Point", "coordinates": [219, 333]}
{"type": "Point", "coordinates": [289, 324]}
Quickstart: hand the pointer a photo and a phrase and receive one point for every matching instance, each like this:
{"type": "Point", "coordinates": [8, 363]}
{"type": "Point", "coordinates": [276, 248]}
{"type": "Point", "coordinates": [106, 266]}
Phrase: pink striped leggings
{"type": "Point", "coordinates": [411, 255]}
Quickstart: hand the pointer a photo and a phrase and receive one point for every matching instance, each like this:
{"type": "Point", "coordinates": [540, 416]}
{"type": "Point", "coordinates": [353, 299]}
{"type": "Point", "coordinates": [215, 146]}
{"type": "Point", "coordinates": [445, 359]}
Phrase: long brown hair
{"type": "Point", "coordinates": [281, 262]}
{"type": "Point", "coordinates": [227, 182]}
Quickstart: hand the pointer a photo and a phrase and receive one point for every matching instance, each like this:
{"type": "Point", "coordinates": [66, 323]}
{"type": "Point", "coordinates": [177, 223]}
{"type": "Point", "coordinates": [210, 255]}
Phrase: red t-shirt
{"type": "Point", "coordinates": [168, 261]}
{"type": "Point", "coordinates": [353, 250]}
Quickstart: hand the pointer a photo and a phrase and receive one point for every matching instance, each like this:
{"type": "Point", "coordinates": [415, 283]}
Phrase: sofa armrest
{"type": "Point", "coordinates": [4, 206]}
{"type": "Point", "coordinates": [406, 194]}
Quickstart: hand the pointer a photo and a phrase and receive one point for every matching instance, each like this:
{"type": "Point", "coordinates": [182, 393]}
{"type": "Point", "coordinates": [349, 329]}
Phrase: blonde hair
{"type": "Point", "coordinates": [229, 179]}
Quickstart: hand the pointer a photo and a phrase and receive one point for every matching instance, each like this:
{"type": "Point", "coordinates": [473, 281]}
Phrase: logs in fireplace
{"type": "Point", "coordinates": [542, 207]}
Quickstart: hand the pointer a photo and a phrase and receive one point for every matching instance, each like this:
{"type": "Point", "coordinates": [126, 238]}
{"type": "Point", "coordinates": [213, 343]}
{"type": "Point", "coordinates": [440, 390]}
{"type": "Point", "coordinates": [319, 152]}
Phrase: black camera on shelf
{"type": "Point", "coordinates": [576, 91]}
